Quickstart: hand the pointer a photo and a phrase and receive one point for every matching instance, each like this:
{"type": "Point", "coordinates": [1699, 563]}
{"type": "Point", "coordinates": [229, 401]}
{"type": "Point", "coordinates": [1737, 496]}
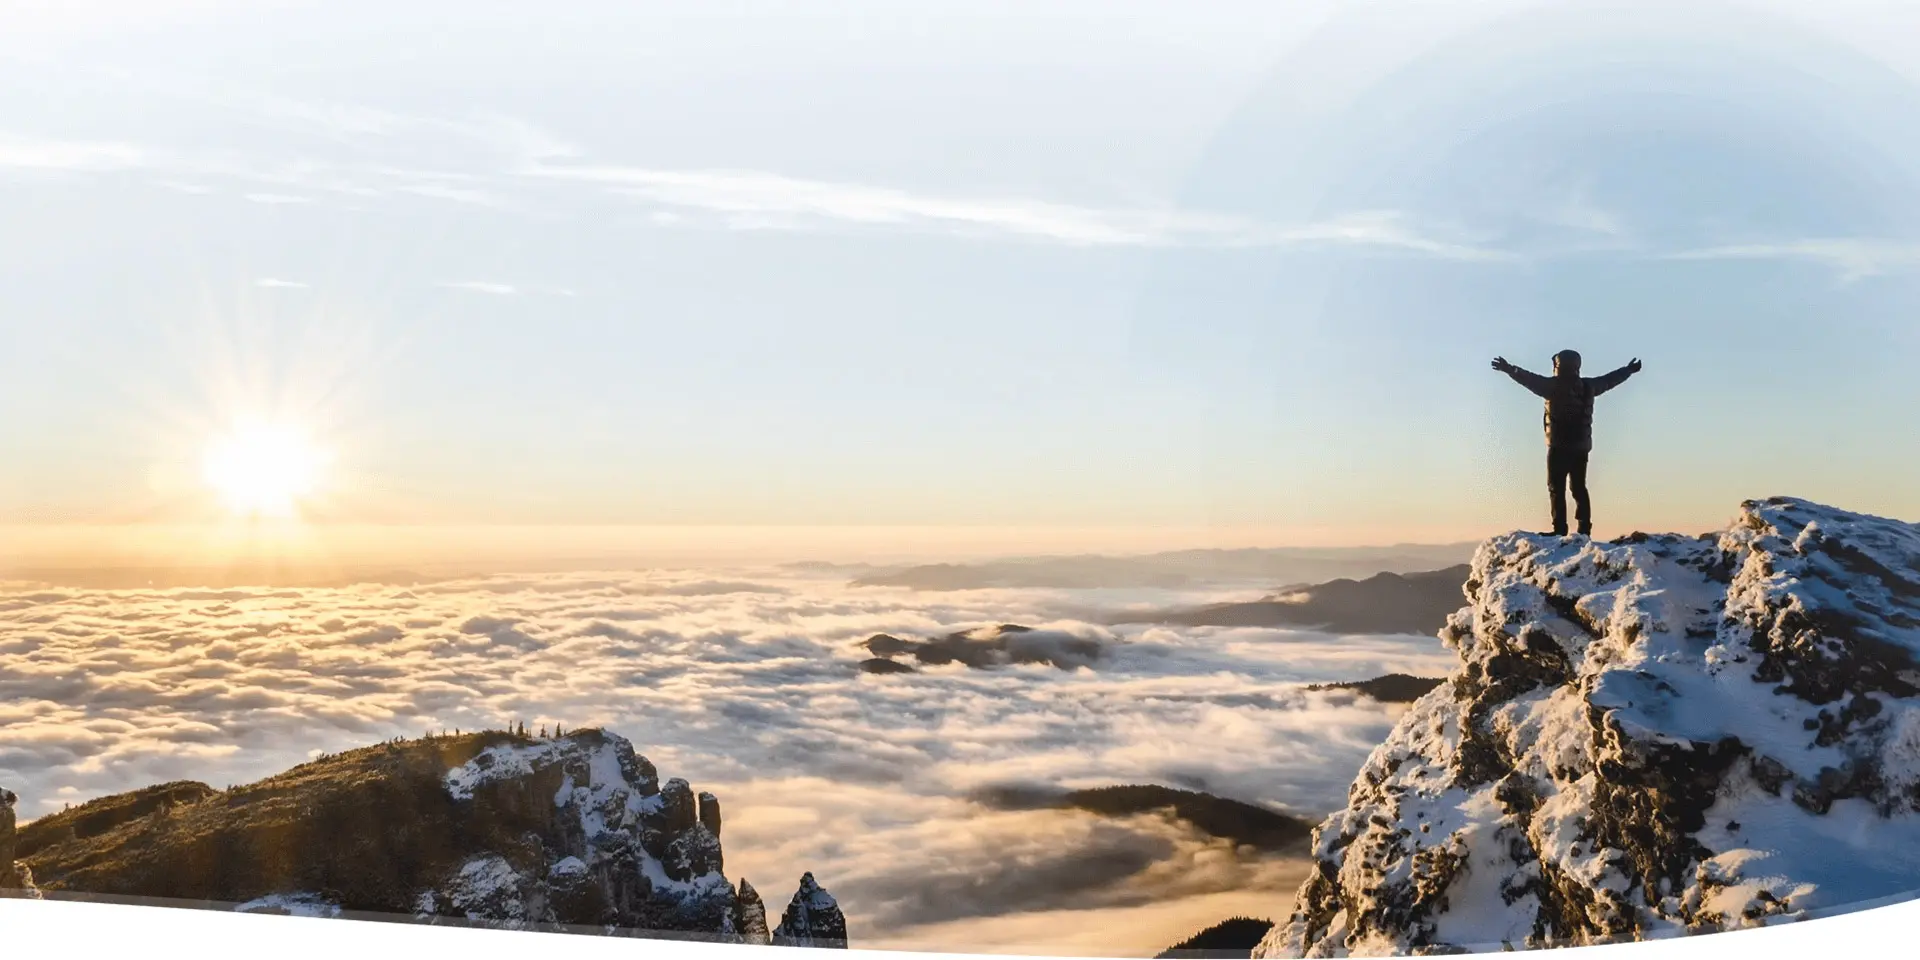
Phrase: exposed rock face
{"type": "Point", "coordinates": [710, 813]}
{"type": "Point", "coordinates": [813, 919]}
{"type": "Point", "coordinates": [750, 915]}
{"type": "Point", "coordinates": [15, 878]}
{"type": "Point", "coordinates": [9, 840]}
{"type": "Point", "coordinates": [503, 830]}
{"type": "Point", "coordinates": [1660, 735]}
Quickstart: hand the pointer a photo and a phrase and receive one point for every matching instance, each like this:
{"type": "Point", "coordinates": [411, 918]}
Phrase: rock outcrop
{"type": "Point", "coordinates": [9, 841]}
{"type": "Point", "coordinates": [15, 878]}
{"type": "Point", "coordinates": [1648, 737]}
{"type": "Point", "coordinates": [1392, 688]}
{"type": "Point", "coordinates": [572, 833]}
{"type": "Point", "coordinates": [750, 915]}
{"type": "Point", "coordinates": [813, 919]}
{"type": "Point", "coordinates": [984, 648]}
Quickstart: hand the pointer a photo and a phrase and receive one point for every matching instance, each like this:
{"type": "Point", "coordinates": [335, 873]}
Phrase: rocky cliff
{"type": "Point", "coordinates": [1654, 736]}
{"type": "Point", "coordinates": [568, 833]}
{"type": "Point", "coordinates": [15, 878]}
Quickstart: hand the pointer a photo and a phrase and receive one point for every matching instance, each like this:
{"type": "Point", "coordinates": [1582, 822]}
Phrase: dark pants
{"type": "Point", "coordinates": [1566, 466]}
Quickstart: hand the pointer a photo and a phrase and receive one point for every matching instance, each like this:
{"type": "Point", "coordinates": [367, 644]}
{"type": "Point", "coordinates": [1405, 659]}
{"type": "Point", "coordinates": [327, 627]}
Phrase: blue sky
{"type": "Point", "coordinates": [1050, 264]}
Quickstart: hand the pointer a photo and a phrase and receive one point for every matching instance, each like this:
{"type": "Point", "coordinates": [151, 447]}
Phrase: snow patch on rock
{"type": "Point", "coordinates": [292, 905]}
{"type": "Point", "coordinates": [813, 919]}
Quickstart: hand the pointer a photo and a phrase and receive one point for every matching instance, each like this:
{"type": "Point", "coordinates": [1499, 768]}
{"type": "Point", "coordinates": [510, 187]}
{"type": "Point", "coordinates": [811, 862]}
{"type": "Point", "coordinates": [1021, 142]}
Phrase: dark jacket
{"type": "Point", "coordinates": [1569, 415]}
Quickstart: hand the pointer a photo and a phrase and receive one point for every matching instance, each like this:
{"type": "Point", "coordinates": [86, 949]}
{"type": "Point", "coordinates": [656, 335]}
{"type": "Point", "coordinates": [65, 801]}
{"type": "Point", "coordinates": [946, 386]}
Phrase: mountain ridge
{"type": "Point", "coordinates": [573, 833]}
{"type": "Point", "coordinates": [1416, 603]}
{"type": "Point", "coordinates": [1170, 569]}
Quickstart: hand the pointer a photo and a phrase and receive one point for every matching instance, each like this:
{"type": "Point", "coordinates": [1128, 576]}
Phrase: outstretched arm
{"type": "Point", "coordinates": [1539, 385]}
{"type": "Point", "coordinates": [1602, 384]}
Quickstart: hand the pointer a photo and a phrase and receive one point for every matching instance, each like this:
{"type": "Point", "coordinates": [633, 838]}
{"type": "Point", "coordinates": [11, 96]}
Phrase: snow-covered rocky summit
{"type": "Point", "coordinates": [573, 832]}
{"type": "Point", "coordinates": [813, 919]}
{"type": "Point", "coordinates": [1654, 736]}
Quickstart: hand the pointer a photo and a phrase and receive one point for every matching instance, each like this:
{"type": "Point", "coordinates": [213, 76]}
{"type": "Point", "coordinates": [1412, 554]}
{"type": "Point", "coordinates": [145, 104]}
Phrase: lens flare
{"type": "Point", "coordinates": [263, 469]}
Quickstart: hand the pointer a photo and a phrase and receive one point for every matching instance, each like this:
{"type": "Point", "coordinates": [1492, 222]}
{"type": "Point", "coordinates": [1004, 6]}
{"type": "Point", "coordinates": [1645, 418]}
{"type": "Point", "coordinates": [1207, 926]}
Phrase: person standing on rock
{"type": "Point", "coordinates": [1569, 426]}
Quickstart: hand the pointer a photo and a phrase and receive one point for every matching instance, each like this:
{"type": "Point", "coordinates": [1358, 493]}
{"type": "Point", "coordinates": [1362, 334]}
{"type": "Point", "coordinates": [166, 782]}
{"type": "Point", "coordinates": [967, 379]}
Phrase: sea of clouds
{"type": "Point", "coordinates": [747, 683]}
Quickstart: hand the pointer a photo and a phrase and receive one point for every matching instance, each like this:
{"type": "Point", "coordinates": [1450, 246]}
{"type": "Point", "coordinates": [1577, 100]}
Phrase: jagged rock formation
{"type": "Point", "coordinates": [1659, 735]}
{"type": "Point", "coordinates": [813, 919]}
{"type": "Point", "coordinates": [568, 833]}
{"type": "Point", "coordinates": [750, 915]}
{"type": "Point", "coordinates": [15, 878]}
{"type": "Point", "coordinates": [709, 813]}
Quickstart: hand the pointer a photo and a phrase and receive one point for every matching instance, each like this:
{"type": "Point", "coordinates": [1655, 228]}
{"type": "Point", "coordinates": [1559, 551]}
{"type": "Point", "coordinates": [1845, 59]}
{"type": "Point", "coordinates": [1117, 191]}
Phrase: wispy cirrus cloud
{"type": "Point", "coordinates": [1854, 258]}
{"type": "Point", "coordinates": [483, 286]}
{"type": "Point", "coordinates": [275, 283]}
{"type": "Point", "coordinates": [750, 199]}
{"type": "Point", "coordinates": [374, 152]}
{"type": "Point", "coordinates": [441, 190]}
{"type": "Point", "coordinates": [37, 154]}
{"type": "Point", "coordinates": [276, 199]}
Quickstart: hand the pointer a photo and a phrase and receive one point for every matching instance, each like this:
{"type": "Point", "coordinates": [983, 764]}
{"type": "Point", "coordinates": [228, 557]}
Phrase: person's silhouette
{"type": "Point", "coordinates": [1569, 426]}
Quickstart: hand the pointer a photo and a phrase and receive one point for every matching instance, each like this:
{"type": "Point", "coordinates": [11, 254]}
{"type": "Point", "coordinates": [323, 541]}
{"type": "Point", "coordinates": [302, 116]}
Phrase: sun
{"type": "Point", "coordinates": [263, 469]}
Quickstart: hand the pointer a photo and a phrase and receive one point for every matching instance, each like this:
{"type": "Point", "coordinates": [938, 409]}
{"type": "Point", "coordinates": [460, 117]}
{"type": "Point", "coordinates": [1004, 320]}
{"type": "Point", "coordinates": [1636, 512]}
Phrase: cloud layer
{"type": "Point", "coordinates": [748, 685]}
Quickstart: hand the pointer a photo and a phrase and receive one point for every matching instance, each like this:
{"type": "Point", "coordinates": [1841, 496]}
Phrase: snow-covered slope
{"type": "Point", "coordinates": [1659, 735]}
{"type": "Point", "coordinates": [575, 832]}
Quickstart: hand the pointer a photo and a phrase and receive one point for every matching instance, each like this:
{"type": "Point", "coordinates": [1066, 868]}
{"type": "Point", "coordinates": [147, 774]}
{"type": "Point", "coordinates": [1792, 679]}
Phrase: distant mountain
{"type": "Point", "coordinates": [1414, 603]}
{"type": "Point", "coordinates": [1173, 569]}
{"type": "Point", "coordinates": [1242, 823]}
{"type": "Point", "coordinates": [1392, 688]}
{"type": "Point", "coordinates": [984, 648]}
{"type": "Point", "coordinates": [1232, 939]}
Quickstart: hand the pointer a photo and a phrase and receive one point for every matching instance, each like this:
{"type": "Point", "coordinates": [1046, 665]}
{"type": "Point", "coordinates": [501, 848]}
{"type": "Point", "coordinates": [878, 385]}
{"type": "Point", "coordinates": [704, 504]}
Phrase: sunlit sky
{"type": "Point", "coordinates": [1092, 265]}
